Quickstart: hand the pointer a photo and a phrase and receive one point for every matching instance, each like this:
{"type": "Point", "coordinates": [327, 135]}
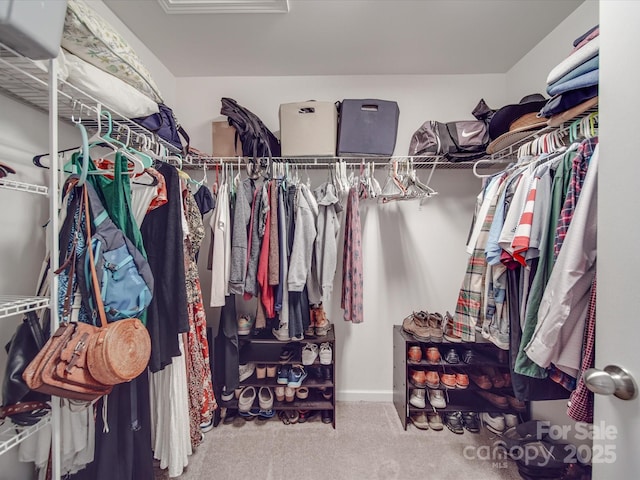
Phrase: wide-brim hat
{"type": "Point", "coordinates": [520, 128]}
{"type": "Point", "coordinates": [570, 114]}
{"type": "Point", "coordinates": [503, 118]}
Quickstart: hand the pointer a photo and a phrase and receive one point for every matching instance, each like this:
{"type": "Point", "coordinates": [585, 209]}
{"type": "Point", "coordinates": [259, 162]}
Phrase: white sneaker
{"type": "Point", "coordinates": [310, 353]}
{"type": "Point", "coordinates": [417, 398]}
{"type": "Point", "coordinates": [493, 421]}
{"type": "Point", "coordinates": [326, 354]}
{"type": "Point", "coordinates": [510, 420]}
{"type": "Point", "coordinates": [282, 332]}
{"type": "Point", "coordinates": [436, 399]}
{"type": "Point", "coordinates": [246, 371]}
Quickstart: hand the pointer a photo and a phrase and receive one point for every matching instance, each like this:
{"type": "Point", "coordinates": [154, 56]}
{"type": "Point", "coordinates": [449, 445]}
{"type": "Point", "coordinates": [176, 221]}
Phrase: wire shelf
{"type": "Point", "coordinates": [15, 304]}
{"type": "Point", "coordinates": [11, 434]}
{"type": "Point", "coordinates": [23, 187]}
{"type": "Point", "coordinates": [26, 81]}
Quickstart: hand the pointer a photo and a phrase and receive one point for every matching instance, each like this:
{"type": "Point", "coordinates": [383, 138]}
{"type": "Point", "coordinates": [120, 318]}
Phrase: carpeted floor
{"type": "Point", "coordinates": [367, 444]}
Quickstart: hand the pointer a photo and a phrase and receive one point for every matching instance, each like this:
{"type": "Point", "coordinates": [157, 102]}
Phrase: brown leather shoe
{"type": "Point", "coordinates": [432, 379]}
{"type": "Point", "coordinates": [415, 354]}
{"type": "Point", "coordinates": [507, 379]}
{"type": "Point", "coordinates": [481, 380]}
{"type": "Point", "coordinates": [516, 404]}
{"type": "Point", "coordinates": [496, 400]}
{"type": "Point", "coordinates": [418, 378]}
{"type": "Point", "coordinates": [495, 376]}
{"type": "Point", "coordinates": [448, 380]}
{"type": "Point", "coordinates": [433, 355]}
{"type": "Point", "coordinates": [448, 329]}
{"type": "Point", "coordinates": [462, 380]}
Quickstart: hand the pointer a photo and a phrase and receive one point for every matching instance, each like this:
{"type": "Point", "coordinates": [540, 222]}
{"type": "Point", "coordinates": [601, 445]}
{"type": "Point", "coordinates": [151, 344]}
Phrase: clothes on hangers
{"type": "Point", "coordinates": [352, 270]}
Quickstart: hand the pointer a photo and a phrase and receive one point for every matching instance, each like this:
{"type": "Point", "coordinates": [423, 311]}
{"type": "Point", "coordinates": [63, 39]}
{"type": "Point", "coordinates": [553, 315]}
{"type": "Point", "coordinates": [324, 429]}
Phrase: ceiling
{"type": "Point", "coordinates": [347, 37]}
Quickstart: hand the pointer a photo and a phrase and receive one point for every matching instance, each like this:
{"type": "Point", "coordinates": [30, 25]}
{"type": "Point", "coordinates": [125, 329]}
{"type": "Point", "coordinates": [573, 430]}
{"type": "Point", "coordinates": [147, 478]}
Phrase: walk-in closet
{"type": "Point", "coordinates": [350, 239]}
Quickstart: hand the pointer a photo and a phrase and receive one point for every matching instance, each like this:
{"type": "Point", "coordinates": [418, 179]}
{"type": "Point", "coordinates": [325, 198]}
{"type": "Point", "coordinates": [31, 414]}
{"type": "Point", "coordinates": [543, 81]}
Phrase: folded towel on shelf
{"type": "Point", "coordinates": [588, 66]}
{"type": "Point", "coordinates": [585, 80]}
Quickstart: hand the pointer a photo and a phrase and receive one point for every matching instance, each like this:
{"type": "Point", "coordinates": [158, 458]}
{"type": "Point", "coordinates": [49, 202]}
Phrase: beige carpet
{"type": "Point", "coordinates": [367, 444]}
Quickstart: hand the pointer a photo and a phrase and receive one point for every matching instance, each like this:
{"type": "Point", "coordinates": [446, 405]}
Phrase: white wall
{"type": "Point", "coordinates": [529, 75]}
{"type": "Point", "coordinates": [414, 254]}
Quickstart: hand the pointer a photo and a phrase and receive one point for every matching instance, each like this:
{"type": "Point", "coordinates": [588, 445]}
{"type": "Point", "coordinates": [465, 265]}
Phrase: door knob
{"type": "Point", "coordinates": [612, 380]}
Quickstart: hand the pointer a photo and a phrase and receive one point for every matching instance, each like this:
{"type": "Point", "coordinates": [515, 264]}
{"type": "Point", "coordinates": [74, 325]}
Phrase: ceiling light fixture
{"type": "Point", "coordinates": [224, 6]}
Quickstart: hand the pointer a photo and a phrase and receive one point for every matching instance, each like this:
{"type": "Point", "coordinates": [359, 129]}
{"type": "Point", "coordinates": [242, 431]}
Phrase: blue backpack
{"type": "Point", "coordinates": [124, 275]}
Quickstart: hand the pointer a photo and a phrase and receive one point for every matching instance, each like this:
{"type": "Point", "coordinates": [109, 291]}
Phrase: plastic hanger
{"type": "Point", "coordinates": [84, 153]}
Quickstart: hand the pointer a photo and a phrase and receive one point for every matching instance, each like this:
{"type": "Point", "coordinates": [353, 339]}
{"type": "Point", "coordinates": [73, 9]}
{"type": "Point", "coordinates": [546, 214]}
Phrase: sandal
{"type": "Point", "coordinates": [293, 416]}
{"type": "Point", "coordinates": [284, 417]}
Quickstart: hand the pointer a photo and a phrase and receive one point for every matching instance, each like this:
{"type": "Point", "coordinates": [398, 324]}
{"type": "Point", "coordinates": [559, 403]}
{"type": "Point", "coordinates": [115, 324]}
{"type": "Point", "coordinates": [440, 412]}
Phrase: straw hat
{"type": "Point", "coordinates": [519, 128]}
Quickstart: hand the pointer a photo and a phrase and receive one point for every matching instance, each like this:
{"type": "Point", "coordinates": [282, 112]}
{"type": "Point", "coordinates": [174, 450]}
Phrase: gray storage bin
{"type": "Point", "coordinates": [367, 127]}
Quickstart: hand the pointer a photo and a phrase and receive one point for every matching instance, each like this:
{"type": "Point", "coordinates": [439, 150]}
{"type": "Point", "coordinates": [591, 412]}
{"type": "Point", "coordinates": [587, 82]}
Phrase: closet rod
{"type": "Point", "coordinates": [321, 162]}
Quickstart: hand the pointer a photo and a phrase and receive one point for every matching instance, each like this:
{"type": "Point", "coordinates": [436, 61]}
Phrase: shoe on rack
{"type": "Point", "coordinates": [495, 376]}
{"type": "Point", "coordinates": [282, 332]}
{"type": "Point", "coordinates": [327, 393]}
{"type": "Point", "coordinates": [416, 326]}
{"type": "Point", "coordinates": [432, 355]}
{"type": "Point", "coordinates": [434, 323]}
{"type": "Point", "coordinates": [297, 374]}
{"type": "Point", "coordinates": [510, 420]}
{"type": "Point", "coordinates": [462, 380]}
{"type": "Point", "coordinates": [310, 331]}
{"type": "Point", "coordinates": [432, 379]}
{"type": "Point", "coordinates": [279, 393]}
{"type": "Point", "coordinates": [494, 422]}
{"type": "Point", "coordinates": [417, 397]}
{"type": "Point", "coordinates": [420, 420]}
{"type": "Point", "coordinates": [454, 422]}
{"type": "Point", "coordinates": [261, 371]}
{"type": "Point", "coordinates": [327, 373]}
{"type": "Point", "coordinates": [245, 402]}
{"type": "Point", "coordinates": [245, 371]}
{"type": "Point", "coordinates": [206, 426]}
{"type": "Point", "coordinates": [414, 354]}
{"type": "Point", "coordinates": [498, 401]}
{"type": "Point", "coordinates": [436, 399]}
{"type": "Point", "coordinates": [327, 416]}
{"type": "Point", "coordinates": [469, 356]}
{"type": "Point", "coordinates": [302, 393]}
{"type": "Point", "coordinates": [289, 394]}
{"type": "Point", "coordinates": [323, 325]}
{"type": "Point", "coordinates": [435, 421]}
{"type": "Point", "coordinates": [471, 422]}
{"type": "Point", "coordinates": [229, 416]}
{"type": "Point", "coordinates": [226, 396]}
{"type": "Point", "coordinates": [271, 371]}
{"type": "Point", "coordinates": [326, 353]}
{"type": "Point", "coordinates": [287, 353]}
{"type": "Point", "coordinates": [418, 377]}
{"type": "Point", "coordinates": [306, 415]}
{"type": "Point", "coordinates": [448, 380]}
{"type": "Point", "coordinates": [452, 356]}
{"type": "Point", "coordinates": [481, 380]}
{"type": "Point", "coordinates": [265, 398]}
{"type": "Point", "coordinates": [516, 404]}
{"type": "Point", "coordinates": [507, 379]}
{"type": "Point", "coordinates": [245, 323]}
{"type": "Point", "coordinates": [448, 331]}
{"type": "Point", "coordinates": [309, 353]}
{"type": "Point", "coordinates": [283, 375]}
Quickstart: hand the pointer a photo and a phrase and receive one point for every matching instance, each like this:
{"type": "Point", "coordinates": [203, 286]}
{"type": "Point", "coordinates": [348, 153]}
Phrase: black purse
{"type": "Point", "coordinates": [23, 406]}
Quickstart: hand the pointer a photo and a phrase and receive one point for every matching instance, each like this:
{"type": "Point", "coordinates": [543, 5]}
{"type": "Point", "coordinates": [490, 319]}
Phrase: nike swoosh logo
{"type": "Point", "coordinates": [467, 135]}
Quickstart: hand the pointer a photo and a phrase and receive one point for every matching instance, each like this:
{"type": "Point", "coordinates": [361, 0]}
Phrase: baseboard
{"type": "Point", "coordinates": [364, 396]}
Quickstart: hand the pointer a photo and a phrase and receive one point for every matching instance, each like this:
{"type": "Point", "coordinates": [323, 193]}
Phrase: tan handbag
{"type": "Point", "coordinates": [82, 361]}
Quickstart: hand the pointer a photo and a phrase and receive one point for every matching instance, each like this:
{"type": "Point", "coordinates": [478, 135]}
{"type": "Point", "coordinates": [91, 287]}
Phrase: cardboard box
{"type": "Point", "coordinates": [308, 129]}
{"type": "Point", "coordinates": [223, 138]}
{"type": "Point", "coordinates": [368, 127]}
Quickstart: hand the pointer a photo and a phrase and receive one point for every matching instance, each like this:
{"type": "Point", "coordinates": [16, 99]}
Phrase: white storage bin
{"type": "Point", "coordinates": [32, 28]}
{"type": "Point", "coordinates": [308, 129]}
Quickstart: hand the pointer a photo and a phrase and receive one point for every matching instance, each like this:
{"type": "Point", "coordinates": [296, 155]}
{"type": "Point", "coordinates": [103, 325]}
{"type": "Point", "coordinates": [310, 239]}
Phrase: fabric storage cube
{"type": "Point", "coordinates": [33, 29]}
{"type": "Point", "coordinates": [308, 128]}
{"type": "Point", "coordinates": [223, 137]}
{"type": "Point", "coordinates": [368, 127]}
